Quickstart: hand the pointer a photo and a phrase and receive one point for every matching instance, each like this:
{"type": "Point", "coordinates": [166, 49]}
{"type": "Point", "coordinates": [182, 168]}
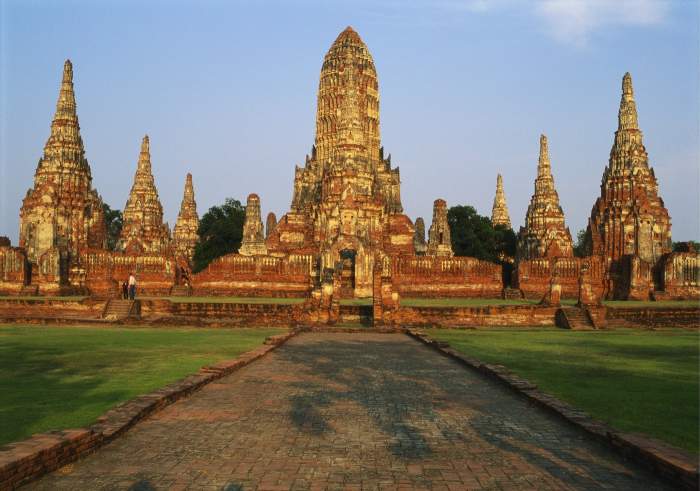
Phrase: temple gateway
{"type": "Point", "coordinates": [345, 234]}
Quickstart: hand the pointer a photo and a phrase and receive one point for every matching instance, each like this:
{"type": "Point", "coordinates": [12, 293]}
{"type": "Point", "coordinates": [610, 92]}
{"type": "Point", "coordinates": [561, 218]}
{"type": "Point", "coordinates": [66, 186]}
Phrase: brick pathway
{"type": "Point", "coordinates": [351, 411]}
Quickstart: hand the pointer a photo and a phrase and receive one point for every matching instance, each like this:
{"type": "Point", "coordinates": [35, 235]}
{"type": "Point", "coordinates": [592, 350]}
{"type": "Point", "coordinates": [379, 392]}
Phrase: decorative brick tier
{"type": "Point", "coordinates": [654, 317]}
{"type": "Point", "coordinates": [490, 316]}
{"type": "Point", "coordinates": [436, 277]}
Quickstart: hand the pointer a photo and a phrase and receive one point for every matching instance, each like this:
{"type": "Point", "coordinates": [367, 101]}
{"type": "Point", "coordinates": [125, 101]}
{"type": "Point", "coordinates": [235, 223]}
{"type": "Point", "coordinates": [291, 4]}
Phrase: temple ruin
{"type": "Point", "coordinates": [345, 234]}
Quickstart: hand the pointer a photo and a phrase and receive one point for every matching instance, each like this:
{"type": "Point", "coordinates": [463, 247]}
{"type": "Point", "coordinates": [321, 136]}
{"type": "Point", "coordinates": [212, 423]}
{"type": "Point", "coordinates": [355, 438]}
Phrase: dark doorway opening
{"type": "Point", "coordinates": [347, 275]}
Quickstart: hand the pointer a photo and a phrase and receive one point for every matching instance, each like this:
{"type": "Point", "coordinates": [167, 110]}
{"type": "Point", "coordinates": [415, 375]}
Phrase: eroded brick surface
{"type": "Point", "coordinates": [352, 411]}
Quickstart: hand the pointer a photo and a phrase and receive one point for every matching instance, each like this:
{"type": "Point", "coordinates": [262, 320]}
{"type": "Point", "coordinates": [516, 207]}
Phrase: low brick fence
{"type": "Point", "coordinates": [14, 308]}
{"type": "Point", "coordinates": [24, 461]}
{"type": "Point", "coordinates": [655, 317]}
{"type": "Point", "coordinates": [674, 464]}
{"type": "Point", "coordinates": [497, 315]}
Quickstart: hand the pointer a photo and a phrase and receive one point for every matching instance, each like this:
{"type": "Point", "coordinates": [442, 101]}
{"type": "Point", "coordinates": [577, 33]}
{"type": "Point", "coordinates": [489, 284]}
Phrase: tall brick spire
{"type": "Point", "coordinates": [545, 234]}
{"type": "Point", "coordinates": [629, 217]}
{"type": "Point", "coordinates": [348, 78]}
{"type": "Point", "coordinates": [62, 210]}
{"type": "Point", "coordinates": [143, 229]}
{"type": "Point", "coordinates": [499, 212]}
{"type": "Point", "coordinates": [627, 116]}
{"type": "Point", "coordinates": [185, 232]}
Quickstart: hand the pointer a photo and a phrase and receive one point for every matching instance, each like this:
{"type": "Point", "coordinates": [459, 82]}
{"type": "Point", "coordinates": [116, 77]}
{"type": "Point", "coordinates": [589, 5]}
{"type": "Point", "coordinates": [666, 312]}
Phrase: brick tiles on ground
{"type": "Point", "coordinates": [352, 411]}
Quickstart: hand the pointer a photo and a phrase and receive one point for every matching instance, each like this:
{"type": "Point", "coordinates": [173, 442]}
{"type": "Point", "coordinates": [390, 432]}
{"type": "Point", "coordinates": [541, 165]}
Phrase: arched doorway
{"type": "Point", "coordinates": [347, 275]}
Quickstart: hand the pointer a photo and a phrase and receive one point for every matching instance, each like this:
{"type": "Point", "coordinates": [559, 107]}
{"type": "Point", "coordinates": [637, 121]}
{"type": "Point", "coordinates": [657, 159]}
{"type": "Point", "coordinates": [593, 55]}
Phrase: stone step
{"type": "Point", "coordinates": [122, 309]}
{"type": "Point", "coordinates": [573, 318]}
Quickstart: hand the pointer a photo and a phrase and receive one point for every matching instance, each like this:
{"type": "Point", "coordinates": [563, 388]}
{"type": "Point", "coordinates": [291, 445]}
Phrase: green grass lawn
{"type": "Point", "coordinates": [255, 300]}
{"type": "Point", "coordinates": [72, 298]}
{"type": "Point", "coordinates": [638, 381]}
{"type": "Point", "coordinates": [65, 377]}
{"type": "Point", "coordinates": [463, 302]}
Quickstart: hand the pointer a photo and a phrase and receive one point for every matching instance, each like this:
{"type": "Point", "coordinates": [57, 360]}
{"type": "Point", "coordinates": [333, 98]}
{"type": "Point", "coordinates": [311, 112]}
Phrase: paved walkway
{"type": "Point", "coordinates": [351, 411]}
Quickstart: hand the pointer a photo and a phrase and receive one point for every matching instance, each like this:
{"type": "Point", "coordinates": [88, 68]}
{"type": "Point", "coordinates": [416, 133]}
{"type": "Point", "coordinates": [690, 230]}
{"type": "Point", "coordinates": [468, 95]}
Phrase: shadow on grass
{"type": "Point", "coordinates": [47, 387]}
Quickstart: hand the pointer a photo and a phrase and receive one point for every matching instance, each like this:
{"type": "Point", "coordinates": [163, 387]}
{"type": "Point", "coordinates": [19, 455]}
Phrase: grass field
{"type": "Point", "coordinates": [55, 378]}
{"type": "Point", "coordinates": [72, 298]}
{"type": "Point", "coordinates": [637, 381]}
{"type": "Point", "coordinates": [463, 302]}
{"type": "Point", "coordinates": [254, 300]}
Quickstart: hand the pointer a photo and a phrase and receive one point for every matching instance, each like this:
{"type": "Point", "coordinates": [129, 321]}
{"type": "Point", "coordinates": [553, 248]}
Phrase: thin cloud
{"type": "Point", "coordinates": [571, 22]}
{"type": "Point", "coordinates": [575, 21]}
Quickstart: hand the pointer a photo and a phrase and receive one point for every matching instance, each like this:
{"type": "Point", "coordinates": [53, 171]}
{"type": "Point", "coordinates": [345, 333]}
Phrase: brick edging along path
{"type": "Point", "coordinates": [670, 462]}
{"type": "Point", "coordinates": [27, 460]}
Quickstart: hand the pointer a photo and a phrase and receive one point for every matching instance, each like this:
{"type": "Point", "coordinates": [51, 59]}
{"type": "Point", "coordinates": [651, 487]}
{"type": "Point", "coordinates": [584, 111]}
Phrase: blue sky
{"type": "Point", "coordinates": [227, 91]}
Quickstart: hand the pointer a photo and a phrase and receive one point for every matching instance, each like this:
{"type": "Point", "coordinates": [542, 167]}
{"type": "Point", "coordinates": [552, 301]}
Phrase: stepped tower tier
{"type": "Point", "coordinates": [439, 240]}
{"type": "Point", "coordinates": [419, 238]}
{"type": "Point", "coordinates": [545, 233]}
{"type": "Point", "coordinates": [62, 211]}
{"type": "Point", "coordinates": [270, 224]}
{"type": "Point", "coordinates": [629, 217]}
{"type": "Point", "coordinates": [346, 204]}
{"type": "Point", "coordinates": [499, 212]}
{"type": "Point", "coordinates": [143, 230]}
{"type": "Point", "coordinates": [185, 236]}
{"type": "Point", "coordinates": [253, 243]}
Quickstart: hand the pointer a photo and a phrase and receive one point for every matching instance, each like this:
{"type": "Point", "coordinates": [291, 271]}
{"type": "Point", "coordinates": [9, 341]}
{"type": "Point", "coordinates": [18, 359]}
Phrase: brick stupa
{"type": "Point", "coordinates": [346, 203]}
{"type": "Point", "coordinates": [62, 214]}
{"type": "Point", "coordinates": [143, 230]}
{"type": "Point", "coordinates": [545, 234]}
{"type": "Point", "coordinates": [439, 239]}
{"type": "Point", "coordinates": [499, 211]}
{"type": "Point", "coordinates": [629, 217]}
{"type": "Point", "coordinates": [185, 236]}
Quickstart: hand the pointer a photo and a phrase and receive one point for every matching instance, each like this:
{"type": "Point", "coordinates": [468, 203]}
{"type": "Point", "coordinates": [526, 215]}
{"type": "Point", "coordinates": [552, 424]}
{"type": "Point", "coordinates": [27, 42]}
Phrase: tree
{"type": "Point", "coordinates": [114, 221]}
{"type": "Point", "coordinates": [473, 235]}
{"type": "Point", "coordinates": [220, 233]}
{"type": "Point", "coordinates": [580, 245]}
{"type": "Point", "coordinates": [686, 246]}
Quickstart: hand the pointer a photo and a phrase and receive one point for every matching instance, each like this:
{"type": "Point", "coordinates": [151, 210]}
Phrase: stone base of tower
{"type": "Point", "coordinates": [439, 277]}
{"type": "Point", "coordinates": [256, 276]}
{"type": "Point", "coordinates": [533, 277]}
{"type": "Point", "coordinates": [681, 276]}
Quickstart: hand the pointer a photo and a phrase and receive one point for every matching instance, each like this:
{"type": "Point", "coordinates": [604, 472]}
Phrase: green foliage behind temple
{"type": "Point", "coordinates": [220, 232]}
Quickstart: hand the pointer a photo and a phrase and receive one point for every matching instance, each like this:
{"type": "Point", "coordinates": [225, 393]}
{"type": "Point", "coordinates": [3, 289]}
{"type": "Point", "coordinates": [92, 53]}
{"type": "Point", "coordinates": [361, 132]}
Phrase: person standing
{"type": "Point", "coordinates": [132, 286]}
{"type": "Point", "coordinates": [125, 290]}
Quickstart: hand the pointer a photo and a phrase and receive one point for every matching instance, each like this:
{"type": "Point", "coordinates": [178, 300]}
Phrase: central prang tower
{"type": "Point", "coordinates": [346, 205]}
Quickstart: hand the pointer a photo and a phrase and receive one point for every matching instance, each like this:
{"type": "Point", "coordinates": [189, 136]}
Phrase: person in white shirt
{"type": "Point", "coordinates": [132, 286]}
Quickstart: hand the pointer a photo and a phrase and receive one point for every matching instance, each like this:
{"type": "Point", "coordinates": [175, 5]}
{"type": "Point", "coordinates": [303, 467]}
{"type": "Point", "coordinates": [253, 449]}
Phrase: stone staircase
{"type": "Point", "coordinates": [117, 309]}
{"type": "Point", "coordinates": [573, 318]}
{"type": "Point", "coordinates": [512, 294]}
{"type": "Point", "coordinates": [356, 316]}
